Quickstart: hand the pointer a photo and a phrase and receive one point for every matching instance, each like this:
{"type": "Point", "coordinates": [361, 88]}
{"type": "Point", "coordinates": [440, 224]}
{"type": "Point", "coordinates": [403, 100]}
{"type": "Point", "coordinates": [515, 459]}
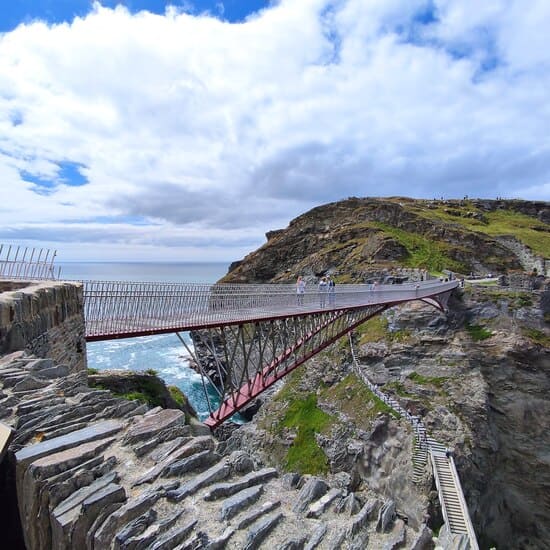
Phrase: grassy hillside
{"type": "Point", "coordinates": [355, 239]}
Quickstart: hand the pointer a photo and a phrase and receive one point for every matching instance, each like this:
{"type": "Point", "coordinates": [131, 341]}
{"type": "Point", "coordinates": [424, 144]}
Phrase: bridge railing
{"type": "Point", "coordinates": [126, 307]}
{"type": "Point", "coordinates": [23, 262]}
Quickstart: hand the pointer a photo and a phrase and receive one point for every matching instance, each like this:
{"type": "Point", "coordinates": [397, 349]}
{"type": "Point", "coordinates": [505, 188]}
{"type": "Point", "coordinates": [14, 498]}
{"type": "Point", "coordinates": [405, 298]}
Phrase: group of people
{"type": "Point", "coordinates": [326, 291]}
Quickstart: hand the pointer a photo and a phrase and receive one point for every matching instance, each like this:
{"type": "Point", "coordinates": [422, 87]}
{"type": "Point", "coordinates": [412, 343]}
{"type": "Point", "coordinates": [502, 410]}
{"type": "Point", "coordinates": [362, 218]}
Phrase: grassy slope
{"type": "Point", "coordinates": [526, 229]}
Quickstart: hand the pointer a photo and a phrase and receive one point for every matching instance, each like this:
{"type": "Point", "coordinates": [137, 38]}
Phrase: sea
{"type": "Point", "coordinates": [163, 353]}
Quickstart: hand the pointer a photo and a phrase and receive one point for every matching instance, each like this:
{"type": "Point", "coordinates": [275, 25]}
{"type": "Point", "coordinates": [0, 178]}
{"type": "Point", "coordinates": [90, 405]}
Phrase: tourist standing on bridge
{"type": "Point", "coordinates": [300, 290]}
{"type": "Point", "coordinates": [331, 292]}
{"type": "Point", "coordinates": [323, 286]}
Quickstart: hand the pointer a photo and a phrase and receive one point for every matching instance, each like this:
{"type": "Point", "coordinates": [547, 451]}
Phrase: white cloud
{"type": "Point", "coordinates": [197, 124]}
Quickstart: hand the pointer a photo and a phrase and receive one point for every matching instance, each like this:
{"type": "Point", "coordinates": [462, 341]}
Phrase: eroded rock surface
{"type": "Point", "coordinates": [98, 486]}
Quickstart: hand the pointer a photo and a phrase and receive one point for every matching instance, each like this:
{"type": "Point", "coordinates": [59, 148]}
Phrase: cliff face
{"type": "Point", "coordinates": [478, 376]}
{"type": "Point", "coordinates": [356, 238]}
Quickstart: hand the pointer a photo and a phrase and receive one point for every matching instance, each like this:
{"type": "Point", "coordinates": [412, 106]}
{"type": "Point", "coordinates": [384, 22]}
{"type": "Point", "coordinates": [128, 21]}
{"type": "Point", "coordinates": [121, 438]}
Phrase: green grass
{"type": "Point", "coordinates": [494, 282]}
{"type": "Point", "coordinates": [399, 389]}
{"type": "Point", "coordinates": [498, 223]}
{"type": "Point", "coordinates": [178, 396]}
{"type": "Point", "coordinates": [514, 298]}
{"type": "Point", "coordinates": [134, 396]}
{"type": "Point", "coordinates": [424, 253]}
{"type": "Point", "coordinates": [149, 390]}
{"type": "Point", "coordinates": [376, 329]}
{"type": "Point", "coordinates": [537, 336]}
{"type": "Point", "coordinates": [478, 332]}
{"type": "Point", "coordinates": [355, 400]}
{"type": "Point", "coordinates": [291, 388]}
{"type": "Point", "coordinates": [373, 330]}
{"type": "Point", "coordinates": [304, 455]}
{"type": "Point", "coordinates": [436, 381]}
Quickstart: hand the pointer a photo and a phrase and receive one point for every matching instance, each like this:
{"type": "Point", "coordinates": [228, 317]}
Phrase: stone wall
{"type": "Point", "coordinates": [45, 319]}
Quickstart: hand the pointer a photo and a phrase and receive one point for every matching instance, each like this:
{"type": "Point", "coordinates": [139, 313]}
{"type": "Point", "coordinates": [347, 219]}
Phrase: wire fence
{"type": "Point", "coordinates": [23, 262]}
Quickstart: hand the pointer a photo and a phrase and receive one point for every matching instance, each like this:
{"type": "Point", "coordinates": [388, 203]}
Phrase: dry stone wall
{"type": "Point", "coordinates": [45, 319]}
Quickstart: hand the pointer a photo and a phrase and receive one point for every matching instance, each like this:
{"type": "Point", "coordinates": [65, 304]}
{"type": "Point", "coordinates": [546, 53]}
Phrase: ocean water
{"type": "Point", "coordinates": [163, 353]}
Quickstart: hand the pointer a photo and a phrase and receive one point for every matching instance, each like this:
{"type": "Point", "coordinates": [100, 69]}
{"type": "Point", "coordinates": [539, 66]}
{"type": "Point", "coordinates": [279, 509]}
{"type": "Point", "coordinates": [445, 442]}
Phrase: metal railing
{"type": "Point", "coordinates": [127, 308]}
{"type": "Point", "coordinates": [23, 262]}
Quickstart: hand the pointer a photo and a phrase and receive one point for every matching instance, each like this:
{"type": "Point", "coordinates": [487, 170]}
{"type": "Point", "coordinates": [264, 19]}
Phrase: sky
{"type": "Point", "coordinates": [183, 131]}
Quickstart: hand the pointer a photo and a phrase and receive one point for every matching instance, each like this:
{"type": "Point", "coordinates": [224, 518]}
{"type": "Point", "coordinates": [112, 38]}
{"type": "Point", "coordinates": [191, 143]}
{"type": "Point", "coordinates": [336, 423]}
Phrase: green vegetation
{"type": "Point", "coordinates": [376, 329]}
{"type": "Point", "coordinates": [527, 229]}
{"type": "Point", "coordinates": [423, 252]}
{"type": "Point", "coordinates": [537, 336]}
{"type": "Point", "coordinates": [355, 400]}
{"type": "Point", "coordinates": [478, 332]}
{"type": "Point", "coordinates": [147, 389]}
{"type": "Point", "coordinates": [524, 300]}
{"type": "Point", "coordinates": [399, 389]}
{"type": "Point", "coordinates": [302, 413]}
{"type": "Point", "coordinates": [514, 298]}
{"type": "Point", "coordinates": [92, 371]}
{"type": "Point", "coordinates": [152, 372]}
{"type": "Point", "coordinates": [305, 455]}
{"type": "Point", "coordinates": [436, 381]}
{"type": "Point", "coordinates": [373, 330]}
{"type": "Point", "coordinates": [290, 390]}
{"type": "Point", "coordinates": [134, 396]}
{"type": "Point", "coordinates": [493, 282]}
{"type": "Point", "coordinates": [178, 396]}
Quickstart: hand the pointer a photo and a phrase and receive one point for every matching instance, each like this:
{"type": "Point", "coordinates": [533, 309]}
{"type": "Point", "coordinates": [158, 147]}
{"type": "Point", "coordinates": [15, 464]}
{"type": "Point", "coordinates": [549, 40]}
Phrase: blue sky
{"type": "Point", "coordinates": [15, 12]}
{"type": "Point", "coordinates": [133, 131]}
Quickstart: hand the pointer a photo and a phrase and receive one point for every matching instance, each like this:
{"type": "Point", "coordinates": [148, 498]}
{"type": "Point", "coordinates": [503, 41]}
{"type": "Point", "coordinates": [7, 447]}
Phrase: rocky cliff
{"type": "Point", "coordinates": [479, 376]}
{"type": "Point", "coordinates": [358, 238]}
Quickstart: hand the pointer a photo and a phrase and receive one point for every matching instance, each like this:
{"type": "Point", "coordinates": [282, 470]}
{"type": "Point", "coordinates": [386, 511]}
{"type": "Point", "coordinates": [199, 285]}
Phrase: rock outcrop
{"type": "Point", "coordinates": [356, 239]}
{"type": "Point", "coordinates": [91, 470]}
{"type": "Point", "coordinates": [142, 385]}
{"type": "Point", "coordinates": [479, 377]}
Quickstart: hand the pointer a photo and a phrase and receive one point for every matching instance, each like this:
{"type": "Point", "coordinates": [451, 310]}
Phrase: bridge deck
{"type": "Point", "coordinates": [119, 310]}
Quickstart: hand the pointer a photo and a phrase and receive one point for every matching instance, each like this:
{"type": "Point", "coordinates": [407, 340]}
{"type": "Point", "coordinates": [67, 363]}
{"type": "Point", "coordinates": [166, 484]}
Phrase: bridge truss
{"type": "Point", "coordinates": [240, 361]}
{"type": "Point", "coordinates": [249, 336]}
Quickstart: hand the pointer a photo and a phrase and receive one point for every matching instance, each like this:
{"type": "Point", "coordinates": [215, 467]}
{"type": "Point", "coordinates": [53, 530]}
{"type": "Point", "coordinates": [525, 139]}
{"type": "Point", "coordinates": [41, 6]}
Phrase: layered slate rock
{"type": "Point", "coordinates": [97, 472]}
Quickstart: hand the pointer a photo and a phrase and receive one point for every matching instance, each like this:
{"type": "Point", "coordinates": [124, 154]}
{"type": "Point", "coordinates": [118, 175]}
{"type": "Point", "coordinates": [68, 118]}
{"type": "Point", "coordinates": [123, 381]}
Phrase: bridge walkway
{"type": "Point", "coordinates": [122, 309]}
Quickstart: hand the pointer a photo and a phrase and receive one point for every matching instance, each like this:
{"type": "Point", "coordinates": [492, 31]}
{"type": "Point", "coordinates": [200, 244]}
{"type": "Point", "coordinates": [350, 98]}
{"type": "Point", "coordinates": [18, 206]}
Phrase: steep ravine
{"type": "Point", "coordinates": [479, 377]}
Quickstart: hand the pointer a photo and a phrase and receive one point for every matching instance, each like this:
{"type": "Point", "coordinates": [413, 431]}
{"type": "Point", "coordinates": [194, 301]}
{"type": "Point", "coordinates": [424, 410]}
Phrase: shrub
{"type": "Point", "coordinates": [177, 395]}
{"type": "Point", "coordinates": [478, 332]}
{"type": "Point", "coordinates": [305, 455]}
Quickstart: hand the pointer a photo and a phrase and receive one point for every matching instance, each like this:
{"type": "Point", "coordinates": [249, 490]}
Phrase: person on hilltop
{"type": "Point", "coordinates": [323, 286]}
{"type": "Point", "coordinates": [300, 290]}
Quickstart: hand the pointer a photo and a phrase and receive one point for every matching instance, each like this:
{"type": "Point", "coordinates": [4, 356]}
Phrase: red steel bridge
{"type": "Point", "coordinates": [251, 335]}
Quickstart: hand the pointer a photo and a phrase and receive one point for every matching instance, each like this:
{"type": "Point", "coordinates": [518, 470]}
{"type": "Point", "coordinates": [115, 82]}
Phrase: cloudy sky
{"type": "Point", "coordinates": [183, 132]}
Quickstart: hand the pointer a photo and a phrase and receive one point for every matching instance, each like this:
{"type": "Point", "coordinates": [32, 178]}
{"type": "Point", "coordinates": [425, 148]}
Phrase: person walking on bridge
{"type": "Point", "coordinates": [323, 291]}
{"type": "Point", "coordinates": [300, 290]}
